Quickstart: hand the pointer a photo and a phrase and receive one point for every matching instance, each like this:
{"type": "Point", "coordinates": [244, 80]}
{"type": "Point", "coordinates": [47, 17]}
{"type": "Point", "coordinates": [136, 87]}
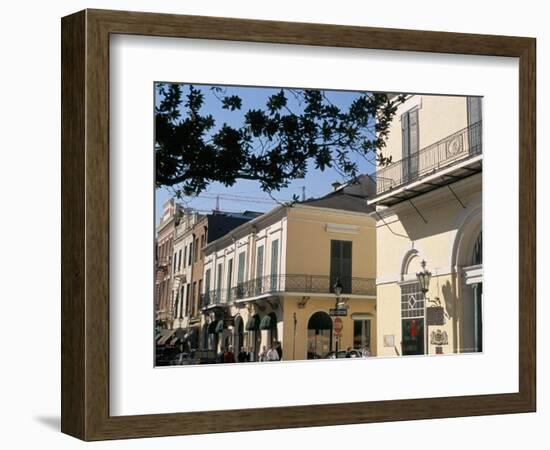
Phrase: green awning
{"type": "Point", "coordinates": [212, 327]}
{"type": "Point", "coordinates": [253, 323]}
{"type": "Point", "coordinates": [266, 323]}
{"type": "Point", "coordinates": [320, 321]}
{"type": "Point", "coordinates": [219, 326]}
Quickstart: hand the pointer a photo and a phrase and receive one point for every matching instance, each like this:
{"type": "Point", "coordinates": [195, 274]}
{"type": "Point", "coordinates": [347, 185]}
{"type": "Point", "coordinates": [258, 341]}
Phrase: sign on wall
{"type": "Point", "coordinates": [435, 315]}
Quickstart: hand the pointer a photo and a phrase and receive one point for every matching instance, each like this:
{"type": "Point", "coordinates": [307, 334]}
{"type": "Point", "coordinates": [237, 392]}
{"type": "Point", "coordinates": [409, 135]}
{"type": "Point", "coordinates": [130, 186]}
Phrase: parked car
{"type": "Point", "coordinates": [313, 355]}
{"type": "Point", "coordinates": [193, 357]}
{"type": "Point", "coordinates": [354, 353]}
{"type": "Point", "coordinates": [183, 359]}
{"type": "Point", "coordinates": [204, 356]}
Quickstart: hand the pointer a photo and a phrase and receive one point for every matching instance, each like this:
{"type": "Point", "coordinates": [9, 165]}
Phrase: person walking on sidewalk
{"type": "Point", "coordinates": [272, 354]}
{"type": "Point", "coordinates": [262, 356]}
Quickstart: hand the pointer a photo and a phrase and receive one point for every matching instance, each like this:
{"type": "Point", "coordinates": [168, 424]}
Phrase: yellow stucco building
{"type": "Point", "coordinates": [272, 280]}
{"type": "Point", "coordinates": [429, 208]}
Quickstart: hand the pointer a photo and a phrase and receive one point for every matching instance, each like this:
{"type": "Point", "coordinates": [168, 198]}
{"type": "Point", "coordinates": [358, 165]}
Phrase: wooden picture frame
{"type": "Point", "coordinates": [85, 224]}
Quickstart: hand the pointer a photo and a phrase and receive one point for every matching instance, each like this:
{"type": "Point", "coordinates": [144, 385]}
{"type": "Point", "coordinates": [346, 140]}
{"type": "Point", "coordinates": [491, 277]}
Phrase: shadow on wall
{"type": "Point", "coordinates": [417, 229]}
{"type": "Point", "coordinates": [449, 300]}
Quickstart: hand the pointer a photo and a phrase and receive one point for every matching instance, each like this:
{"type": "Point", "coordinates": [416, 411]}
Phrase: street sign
{"type": "Point", "coordinates": [337, 326]}
{"type": "Point", "coordinates": [334, 312]}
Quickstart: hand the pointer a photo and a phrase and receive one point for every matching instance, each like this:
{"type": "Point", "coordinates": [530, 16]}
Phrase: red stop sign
{"type": "Point", "coordinates": [338, 325]}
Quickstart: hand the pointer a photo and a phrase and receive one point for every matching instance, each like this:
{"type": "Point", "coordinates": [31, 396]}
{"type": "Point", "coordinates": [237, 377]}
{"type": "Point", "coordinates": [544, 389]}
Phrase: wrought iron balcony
{"type": "Point", "coordinates": [163, 263]}
{"type": "Point", "coordinates": [302, 283]}
{"type": "Point", "coordinates": [454, 150]}
{"type": "Point", "coordinates": [212, 298]}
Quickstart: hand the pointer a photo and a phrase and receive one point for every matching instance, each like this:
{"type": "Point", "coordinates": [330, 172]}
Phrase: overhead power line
{"type": "Point", "coordinates": [238, 198]}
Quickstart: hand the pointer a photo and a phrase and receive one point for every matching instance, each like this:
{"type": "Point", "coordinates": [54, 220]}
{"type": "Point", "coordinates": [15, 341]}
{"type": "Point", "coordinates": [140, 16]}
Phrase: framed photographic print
{"type": "Point", "coordinates": [273, 225]}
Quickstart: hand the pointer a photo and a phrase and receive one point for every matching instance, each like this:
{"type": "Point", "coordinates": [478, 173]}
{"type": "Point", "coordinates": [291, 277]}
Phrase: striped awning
{"type": "Point", "coordinates": [166, 335]}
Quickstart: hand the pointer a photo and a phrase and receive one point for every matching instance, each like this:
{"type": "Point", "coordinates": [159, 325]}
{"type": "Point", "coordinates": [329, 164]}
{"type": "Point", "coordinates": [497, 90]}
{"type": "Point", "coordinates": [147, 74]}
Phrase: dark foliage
{"type": "Point", "coordinates": [273, 145]}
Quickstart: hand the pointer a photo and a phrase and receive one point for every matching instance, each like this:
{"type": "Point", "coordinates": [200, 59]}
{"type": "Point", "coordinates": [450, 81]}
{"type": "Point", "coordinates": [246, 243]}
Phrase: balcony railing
{"type": "Point", "coordinates": [270, 284]}
{"type": "Point", "coordinates": [458, 146]}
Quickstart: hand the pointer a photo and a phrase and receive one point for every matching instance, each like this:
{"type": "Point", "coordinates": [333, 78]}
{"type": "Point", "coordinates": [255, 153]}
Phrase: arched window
{"type": "Point", "coordinates": [477, 257]}
{"type": "Point", "coordinates": [319, 335]}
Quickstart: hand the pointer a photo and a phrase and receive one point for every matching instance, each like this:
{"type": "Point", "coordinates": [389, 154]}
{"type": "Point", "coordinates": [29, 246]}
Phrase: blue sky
{"type": "Point", "coordinates": [316, 182]}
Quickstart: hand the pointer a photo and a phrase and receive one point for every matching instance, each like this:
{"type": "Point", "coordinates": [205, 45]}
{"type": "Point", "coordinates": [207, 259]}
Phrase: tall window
{"type": "Point", "coordinates": [410, 139]}
{"type": "Point", "coordinates": [207, 280]}
{"type": "Point", "coordinates": [185, 256]}
{"type": "Point", "coordinates": [412, 319]}
{"type": "Point", "coordinates": [219, 283]}
{"type": "Point", "coordinates": [474, 117]}
{"type": "Point", "coordinates": [199, 291]}
{"type": "Point", "coordinates": [240, 274]}
{"type": "Point", "coordinates": [340, 264]}
{"type": "Point", "coordinates": [181, 296]}
{"type": "Point", "coordinates": [259, 270]}
{"type": "Point", "coordinates": [187, 302]}
{"type": "Point", "coordinates": [179, 260]}
{"type": "Point", "coordinates": [361, 333]}
{"type": "Point", "coordinates": [197, 249]}
{"type": "Point", "coordinates": [229, 278]}
{"type": "Point", "coordinates": [193, 296]}
{"type": "Point", "coordinates": [190, 254]}
{"type": "Point", "coordinates": [274, 265]}
{"type": "Point", "coordinates": [474, 109]}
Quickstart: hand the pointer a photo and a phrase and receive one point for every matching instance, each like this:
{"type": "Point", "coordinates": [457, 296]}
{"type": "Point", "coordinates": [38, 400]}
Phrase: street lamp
{"type": "Point", "coordinates": [338, 291]}
{"type": "Point", "coordinates": [424, 278]}
{"type": "Point", "coordinates": [338, 287]}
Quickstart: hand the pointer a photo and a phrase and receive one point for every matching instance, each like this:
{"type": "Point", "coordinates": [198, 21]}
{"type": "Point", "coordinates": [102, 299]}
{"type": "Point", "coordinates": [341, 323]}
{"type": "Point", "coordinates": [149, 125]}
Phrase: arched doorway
{"type": "Point", "coordinates": [204, 337]}
{"type": "Point", "coordinates": [472, 298]}
{"type": "Point", "coordinates": [212, 336]}
{"type": "Point", "coordinates": [413, 340]}
{"type": "Point", "coordinates": [319, 335]}
{"type": "Point", "coordinates": [238, 334]}
{"type": "Point", "coordinates": [269, 323]}
{"type": "Point", "coordinates": [467, 259]}
{"type": "Point", "coordinates": [255, 336]}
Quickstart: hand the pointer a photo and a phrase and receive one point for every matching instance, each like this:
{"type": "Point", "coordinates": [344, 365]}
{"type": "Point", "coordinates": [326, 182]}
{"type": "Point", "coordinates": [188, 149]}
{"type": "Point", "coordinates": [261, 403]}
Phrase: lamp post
{"type": "Point", "coordinates": [338, 287]}
{"type": "Point", "coordinates": [294, 340]}
{"type": "Point", "coordinates": [337, 291]}
{"type": "Point", "coordinates": [424, 277]}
